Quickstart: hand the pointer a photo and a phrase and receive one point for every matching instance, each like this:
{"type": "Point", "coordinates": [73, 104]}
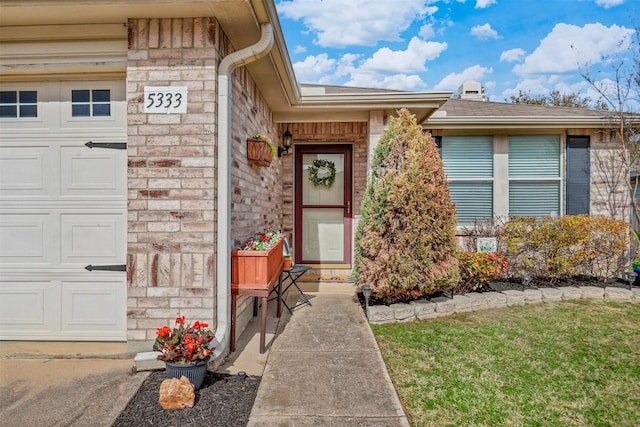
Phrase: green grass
{"type": "Point", "coordinates": [573, 363]}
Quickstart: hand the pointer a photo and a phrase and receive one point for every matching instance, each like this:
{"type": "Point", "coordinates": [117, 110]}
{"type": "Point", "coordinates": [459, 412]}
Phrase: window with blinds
{"type": "Point", "coordinates": [534, 175]}
{"type": "Point", "coordinates": [468, 164]}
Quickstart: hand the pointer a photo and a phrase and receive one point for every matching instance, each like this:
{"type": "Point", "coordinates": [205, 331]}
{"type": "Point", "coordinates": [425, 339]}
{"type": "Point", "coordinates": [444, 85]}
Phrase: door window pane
{"type": "Point", "coordinates": [318, 194]}
{"type": "Point", "coordinates": [323, 231]}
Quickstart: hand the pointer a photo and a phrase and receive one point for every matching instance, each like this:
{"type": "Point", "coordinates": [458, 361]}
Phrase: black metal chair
{"type": "Point", "coordinates": [289, 279]}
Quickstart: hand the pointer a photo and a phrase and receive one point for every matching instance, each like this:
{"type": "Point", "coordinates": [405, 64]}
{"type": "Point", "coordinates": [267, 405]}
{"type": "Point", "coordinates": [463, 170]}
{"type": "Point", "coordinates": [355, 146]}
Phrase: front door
{"type": "Point", "coordinates": [323, 205]}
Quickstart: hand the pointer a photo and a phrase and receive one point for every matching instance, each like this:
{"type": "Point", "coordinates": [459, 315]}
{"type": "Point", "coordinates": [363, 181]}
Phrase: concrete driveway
{"type": "Point", "coordinates": [65, 392]}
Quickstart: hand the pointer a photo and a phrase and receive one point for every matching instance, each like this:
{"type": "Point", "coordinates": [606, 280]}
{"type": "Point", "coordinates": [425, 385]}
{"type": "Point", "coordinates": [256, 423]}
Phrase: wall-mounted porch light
{"type": "Point", "coordinates": [287, 140]}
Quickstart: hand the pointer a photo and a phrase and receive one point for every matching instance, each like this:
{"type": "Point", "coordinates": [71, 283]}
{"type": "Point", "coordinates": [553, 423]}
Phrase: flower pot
{"type": "Point", "coordinates": [195, 372]}
{"type": "Point", "coordinates": [287, 263]}
{"type": "Point", "coordinates": [259, 152]}
{"type": "Point", "coordinates": [255, 269]}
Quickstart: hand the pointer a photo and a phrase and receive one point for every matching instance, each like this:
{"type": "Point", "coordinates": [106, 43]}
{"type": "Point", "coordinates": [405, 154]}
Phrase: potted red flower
{"type": "Point", "coordinates": [185, 349]}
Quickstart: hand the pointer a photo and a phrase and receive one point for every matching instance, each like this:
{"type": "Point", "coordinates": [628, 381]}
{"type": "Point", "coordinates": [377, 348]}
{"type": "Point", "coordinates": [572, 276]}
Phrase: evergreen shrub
{"type": "Point", "coordinates": [405, 242]}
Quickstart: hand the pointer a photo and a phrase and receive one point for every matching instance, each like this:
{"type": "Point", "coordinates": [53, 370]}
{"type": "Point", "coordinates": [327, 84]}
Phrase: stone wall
{"type": "Point", "coordinates": [475, 301]}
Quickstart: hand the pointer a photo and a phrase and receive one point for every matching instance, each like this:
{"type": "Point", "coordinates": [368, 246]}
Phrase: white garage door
{"type": "Point", "coordinates": [63, 208]}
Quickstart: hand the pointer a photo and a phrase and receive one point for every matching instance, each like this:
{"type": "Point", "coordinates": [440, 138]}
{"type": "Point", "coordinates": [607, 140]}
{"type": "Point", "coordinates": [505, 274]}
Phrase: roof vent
{"type": "Point", "coordinates": [472, 90]}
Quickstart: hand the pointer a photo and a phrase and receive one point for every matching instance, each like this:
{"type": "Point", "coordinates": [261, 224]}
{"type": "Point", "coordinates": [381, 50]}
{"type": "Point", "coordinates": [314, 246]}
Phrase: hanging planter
{"type": "Point", "coordinates": [260, 152]}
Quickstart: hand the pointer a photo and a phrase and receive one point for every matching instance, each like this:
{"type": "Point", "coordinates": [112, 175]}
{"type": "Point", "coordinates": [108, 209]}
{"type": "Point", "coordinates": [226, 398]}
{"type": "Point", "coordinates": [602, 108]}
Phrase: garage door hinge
{"type": "Point", "coordinates": [113, 145]}
{"type": "Point", "coordinates": [120, 267]}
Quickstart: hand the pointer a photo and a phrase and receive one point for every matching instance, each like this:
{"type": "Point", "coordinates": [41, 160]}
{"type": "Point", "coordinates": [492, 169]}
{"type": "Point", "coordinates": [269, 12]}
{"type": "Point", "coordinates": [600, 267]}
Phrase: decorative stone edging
{"type": "Point", "coordinates": [443, 306]}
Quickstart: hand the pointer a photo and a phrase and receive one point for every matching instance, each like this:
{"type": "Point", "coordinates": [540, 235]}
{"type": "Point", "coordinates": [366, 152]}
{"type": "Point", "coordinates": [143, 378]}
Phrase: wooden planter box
{"type": "Point", "coordinates": [259, 152]}
{"type": "Point", "coordinates": [256, 269]}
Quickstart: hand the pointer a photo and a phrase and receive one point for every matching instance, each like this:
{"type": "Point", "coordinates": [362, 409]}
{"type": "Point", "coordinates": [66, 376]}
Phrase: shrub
{"type": "Point", "coordinates": [405, 241]}
{"type": "Point", "coordinates": [477, 268]}
{"type": "Point", "coordinates": [566, 246]}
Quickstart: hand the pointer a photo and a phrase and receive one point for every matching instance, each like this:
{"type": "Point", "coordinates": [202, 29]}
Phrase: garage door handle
{"type": "Point", "coordinates": [120, 267]}
{"type": "Point", "coordinates": [112, 145]}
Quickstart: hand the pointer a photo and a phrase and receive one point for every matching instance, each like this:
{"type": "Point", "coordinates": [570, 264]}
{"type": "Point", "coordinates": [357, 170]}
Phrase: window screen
{"type": "Point", "coordinates": [534, 175]}
{"type": "Point", "coordinates": [468, 164]}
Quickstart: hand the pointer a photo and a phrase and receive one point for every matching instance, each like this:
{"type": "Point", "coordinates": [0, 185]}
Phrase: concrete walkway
{"type": "Point", "coordinates": [324, 368]}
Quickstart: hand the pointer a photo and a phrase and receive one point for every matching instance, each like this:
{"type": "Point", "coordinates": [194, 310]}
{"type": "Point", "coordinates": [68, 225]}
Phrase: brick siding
{"type": "Point", "coordinates": [172, 173]}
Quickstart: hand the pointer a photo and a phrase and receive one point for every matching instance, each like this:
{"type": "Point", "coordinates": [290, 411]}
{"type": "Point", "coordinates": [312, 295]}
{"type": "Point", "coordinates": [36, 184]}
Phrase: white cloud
{"type": "Point", "coordinates": [313, 67]}
{"type": "Point", "coordinates": [357, 22]}
{"type": "Point", "coordinates": [402, 61]}
{"type": "Point", "coordinates": [453, 81]}
{"type": "Point", "coordinates": [481, 4]}
{"type": "Point", "coordinates": [609, 3]}
{"type": "Point", "coordinates": [543, 85]}
{"type": "Point", "coordinates": [299, 49]}
{"type": "Point", "coordinates": [512, 55]}
{"type": "Point", "coordinates": [568, 46]}
{"type": "Point", "coordinates": [427, 31]}
{"type": "Point", "coordinates": [384, 69]}
{"type": "Point", "coordinates": [396, 81]}
{"type": "Point", "coordinates": [484, 32]}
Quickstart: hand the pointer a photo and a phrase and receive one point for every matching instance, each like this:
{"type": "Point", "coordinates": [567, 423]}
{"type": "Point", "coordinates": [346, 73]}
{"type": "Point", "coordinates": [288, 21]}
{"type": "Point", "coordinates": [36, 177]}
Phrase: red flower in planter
{"type": "Point", "coordinates": [184, 343]}
{"type": "Point", "coordinates": [262, 241]}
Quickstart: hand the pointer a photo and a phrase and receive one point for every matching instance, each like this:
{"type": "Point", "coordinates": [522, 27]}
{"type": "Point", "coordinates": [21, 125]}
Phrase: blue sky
{"type": "Point", "coordinates": [421, 45]}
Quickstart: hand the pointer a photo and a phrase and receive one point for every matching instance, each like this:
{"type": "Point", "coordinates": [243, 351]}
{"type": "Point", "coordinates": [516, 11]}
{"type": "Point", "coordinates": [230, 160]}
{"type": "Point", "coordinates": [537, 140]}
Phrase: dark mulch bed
{"type": "Point", "coordinates": [223, 400]}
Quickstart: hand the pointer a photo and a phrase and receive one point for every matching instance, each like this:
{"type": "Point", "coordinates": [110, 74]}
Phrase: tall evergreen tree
{"type": "Point", "coordinates": [405, 241]}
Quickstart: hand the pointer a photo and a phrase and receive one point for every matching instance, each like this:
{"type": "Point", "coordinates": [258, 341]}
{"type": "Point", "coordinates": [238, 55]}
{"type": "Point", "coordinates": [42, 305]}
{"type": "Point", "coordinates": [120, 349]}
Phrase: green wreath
{"type": "Point", "coordinates": [326, 168]}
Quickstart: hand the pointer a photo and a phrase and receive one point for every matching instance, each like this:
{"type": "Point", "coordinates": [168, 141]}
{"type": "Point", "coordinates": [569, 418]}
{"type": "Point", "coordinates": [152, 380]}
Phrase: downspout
{"type": "Point", "coordinates": [223, 246]}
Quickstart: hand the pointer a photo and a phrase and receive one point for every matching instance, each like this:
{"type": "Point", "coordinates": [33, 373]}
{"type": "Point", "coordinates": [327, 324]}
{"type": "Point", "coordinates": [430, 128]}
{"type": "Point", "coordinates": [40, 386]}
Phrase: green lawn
{"type": "Point", "coordinates": [573, 363]}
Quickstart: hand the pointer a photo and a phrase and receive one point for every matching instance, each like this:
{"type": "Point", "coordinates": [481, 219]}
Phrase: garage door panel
{"type": "Point", "coordinates": [92, 238]}
{"type": "Point", "coordinates": [63, 206]}
{"type": "Point", "coordinates": [24, 238]}
{"type": "Point", "coordinates": [92, 173]}
{"type": "Point", "coordinates": [28, 305]}
{"type": "Point", "coordinates": [23, 172]}
{"type": "Point", "coordinates": [94, 306]}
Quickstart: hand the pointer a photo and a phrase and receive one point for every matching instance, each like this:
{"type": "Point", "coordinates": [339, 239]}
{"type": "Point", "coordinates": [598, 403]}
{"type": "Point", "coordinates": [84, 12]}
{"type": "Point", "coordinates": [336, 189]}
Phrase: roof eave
{"type": "Point", "coordinates": [519, 122]}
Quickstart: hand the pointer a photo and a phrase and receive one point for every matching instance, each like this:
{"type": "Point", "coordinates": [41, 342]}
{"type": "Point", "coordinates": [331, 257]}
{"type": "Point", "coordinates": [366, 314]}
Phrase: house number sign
{"type": "Point", "coordinates": [165, 99]}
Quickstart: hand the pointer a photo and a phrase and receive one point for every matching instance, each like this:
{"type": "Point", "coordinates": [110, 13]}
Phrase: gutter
{"type": "Point", "coordinates": [223, 245]}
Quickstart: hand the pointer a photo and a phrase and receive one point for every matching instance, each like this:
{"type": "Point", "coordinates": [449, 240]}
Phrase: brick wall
{"type": "Point", "coordinates": [172, 173]}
